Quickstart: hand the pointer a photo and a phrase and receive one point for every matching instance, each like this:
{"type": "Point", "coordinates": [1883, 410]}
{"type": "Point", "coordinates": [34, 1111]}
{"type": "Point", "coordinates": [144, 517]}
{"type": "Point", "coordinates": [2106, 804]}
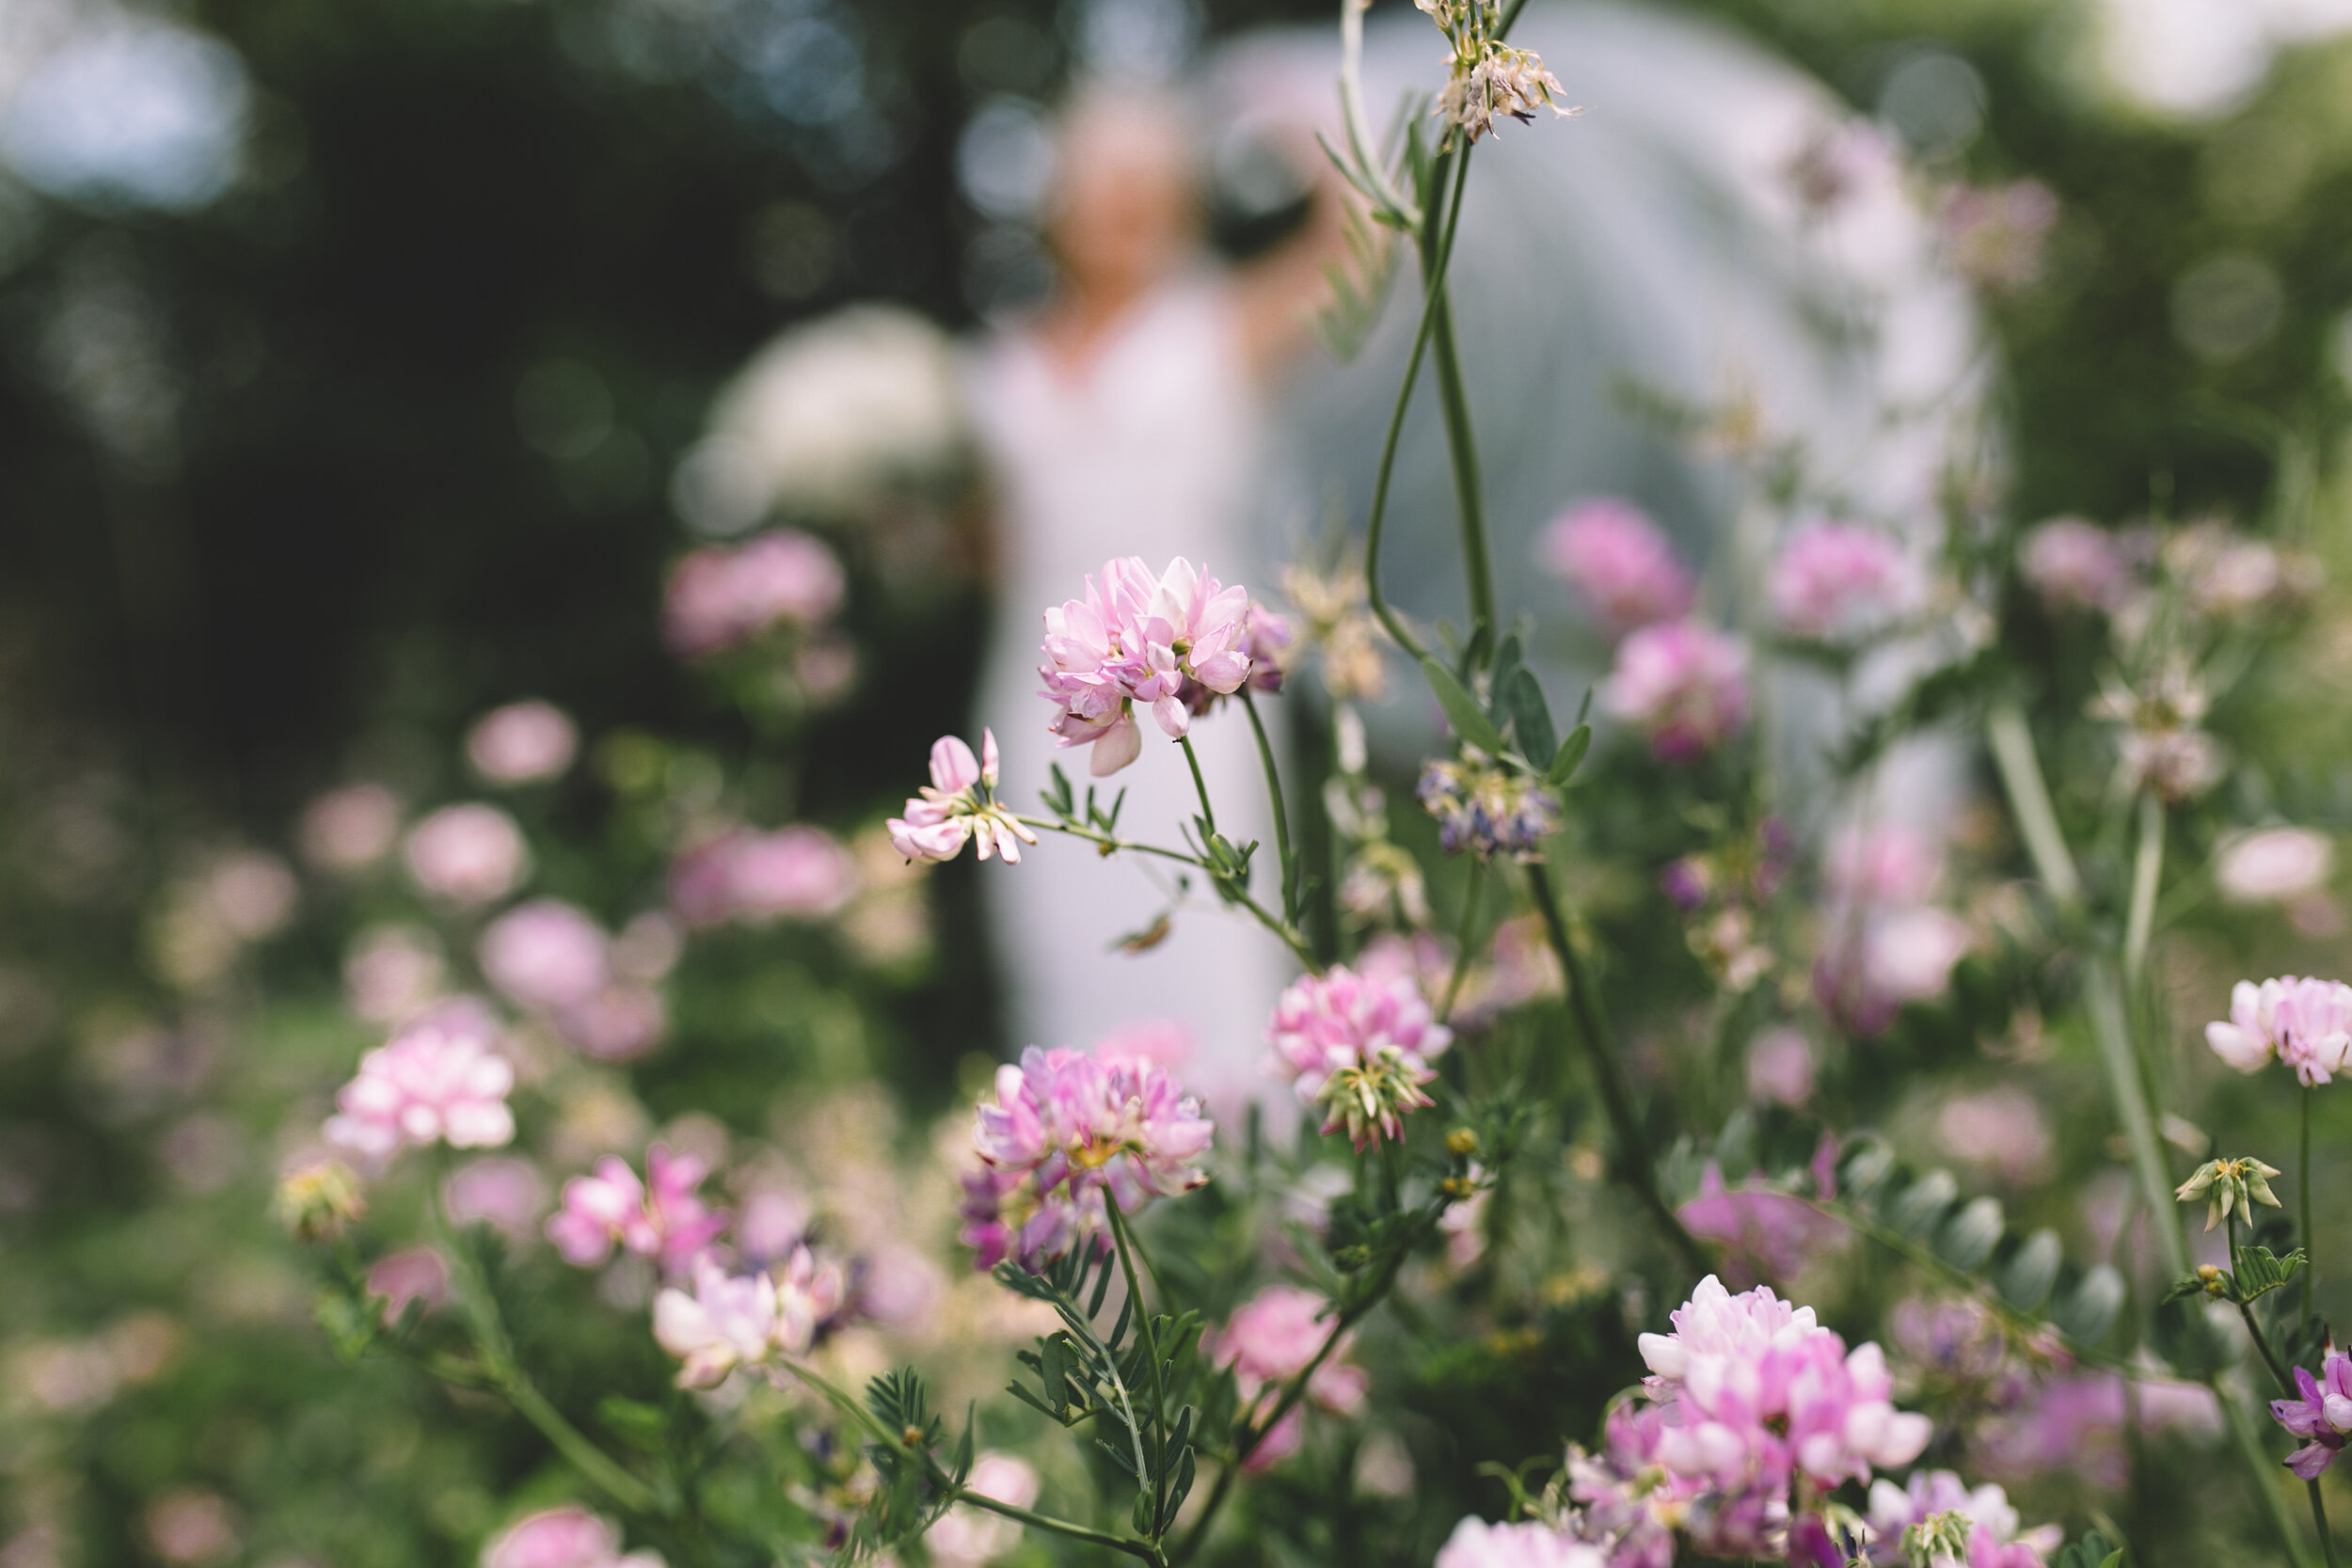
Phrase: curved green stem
{"type": "Point", "coordinates": [1462, 943]}
{"type": "Point", "coordinates": [2029, 798]}
{"type": "Point", "coordinates": [1282, 811]}
{"type": "Point", "coordinates": [2104, 996]}
{"type": "Point", "coordinates": [2303, 1198]}
{"type": "Point", "coordinates": [1288, 934]}
{"type": "Point", "coordinates": [1455, 166]}
{"type": "Point", "coordinates": [1208, 812]}
{"type": "Point", "coordinates": [1158, 1482]}
{"type": "Point", "coordinates": [1462, 447]}
{"type": "Point", "coordinates": [2259, 1468]}
{"type": "Point", "coordinates": [1636, 1166]}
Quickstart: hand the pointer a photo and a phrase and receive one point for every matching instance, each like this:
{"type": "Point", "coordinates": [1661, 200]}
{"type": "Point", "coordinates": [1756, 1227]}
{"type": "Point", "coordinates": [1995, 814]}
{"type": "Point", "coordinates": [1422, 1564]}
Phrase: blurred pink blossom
{"type": "Point", "coordinates": [1359, 1047]}
{"type": "Point", "coordinates": [1780, 1066]}
{"type": "Point", "coordinates": [967, 1537]}
{"type": "Point", "coordinates": [523, 743]}
{"type": "Point", "coordinates": [801, 871]}
{"type": "Point", "coordinates": [500, 1190]}
{"type": "Point", "coordinates": [1765, 1233]}
{"type": "Point", "coordinates": [2002, 1129]}
{"type": "Point", "coordinates": [2074, 564]}
{"type": "Point", "coordinates": [544, 955]}
{"type": "Point", "coordinates": [250, 892]}
{"type": "Point", "coordinates": [742, 1320]}
{"type": "Point", "coordinates": [1840, 582]}
{"type": "Point", "coordinates": [2073, 1425]}
{"type": "Point", "coordinates": [1682, 684]}
{"type": "Point", "coordinates": [1476, 1543]}
{"type": "Point", "coordinates": [1885, 864]}
{"type": "Point", "coordinates": [1993, 1541]}
{"type": "Point", "coordinates": [618, 1024]}
{"type": "Point", "coordinates": [349, 828]}
{"type": "Point", "coordinates": [187, 1525]}
{"type": "Point", "coordinates": [1270, 1339]}
{"type": "Point", "coordinates": [468, 854]}
{"type": "Point", "coordinates": [440, 1080]}
{"type": "Point", "coordinates": [1618, 562]}
{"type": "Point", "coordinates": [391, 973]}
{"type": "Point", "coordinates": [2274, 865]}
{"type": "Point", "coordinates": [723, 595]}
{"type": "Point", "coordinates": [568, 1537]}
{"type": "Point", "coordinates": [662, 1218]}
{"type": "Point", "coordinates": [1996, 234]}
{"type": "Point", "coordinates": [772, 1221]}
{"type": "Point", "coordinates": [416, 1273]}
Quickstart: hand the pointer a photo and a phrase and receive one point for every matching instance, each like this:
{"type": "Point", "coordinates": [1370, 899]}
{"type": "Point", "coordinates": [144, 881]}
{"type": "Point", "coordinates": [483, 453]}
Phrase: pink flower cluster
{"type": "Point", "coordinates": [729, 1321]}
{"type": "Point", "coordinates": [468, 854]}
{"type": "Point", "coordinates": [1269, 1341]}
{"type": "Point", "coordinates": [2305, 1024]}
{"type": "Point", "coordinates": [1476, 1543]}
{"type": "Point", "coordinates": [725, 595]}
{"type": "Point", "coordinates": [959, 805]}
{"type": "Point", "coordinates": [799, 872]}
{"type": "Point", "coordinates": [1360, 1047]}
{"type": "Point", "coordinates": [2321, 1415]}
{"type": "Point", "coordinates": [1883, 945]}
{"type": "Point", "coordinates": [2074, 564]}
{"type": "Point", "coordinates": [1684, 685]}
{"type": "Point", "coordinates": [523, 743]}
{"type": "Point", "coordinates": [1168, 643]}
{"type": "Point", "coordinates": [1756, 1393]}
{"type": "Point", "coordinates": [1618, 562]}
{"type": "Point", "coordinates": [546, 957]}
{"type": "Point", "coordinates": [565, 1537]}
{"type": "Point", "coordinates": [1067, 1127]}
{"type": "Point", "coordinates": [1838, 582]}
{"type": "Point", "coordinates": [1993, 1538]}
{"type": "Point", "coordinates": [440, 1080]}
{"type": "Point", "coordinates": [662, 1218]}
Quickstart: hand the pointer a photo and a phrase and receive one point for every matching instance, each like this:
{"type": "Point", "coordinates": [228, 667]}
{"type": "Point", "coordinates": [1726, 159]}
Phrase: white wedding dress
{"type": "Point", "coordinates": [1148, 448]}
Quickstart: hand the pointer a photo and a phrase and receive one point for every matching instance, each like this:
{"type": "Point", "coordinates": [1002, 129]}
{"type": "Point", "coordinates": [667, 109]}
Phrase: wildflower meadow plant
{"type": "Point", "coordinates": [1585, 1036]}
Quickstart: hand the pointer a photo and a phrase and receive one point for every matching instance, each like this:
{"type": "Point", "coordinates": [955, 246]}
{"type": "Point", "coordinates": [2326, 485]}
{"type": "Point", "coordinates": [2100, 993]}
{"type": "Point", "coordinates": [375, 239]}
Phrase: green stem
{"type": "Point", "coordinates": [1288, 933]}
{"type": "Point", "coordinates": [2319, 1520]}
{"type": "Point", "coordinates": [1455, 165]}
{"type": "Point", "coordinates": [2303, 1201]}
{"type": "Point", "coordinates": [896, 1443]}
{"type": "Point", "coordinates": [1635, 1167]}
{"type": "Point", "coordinates": [1462, 943]}
{"type": "Point", "coordinates": [1462, 447]}
{"type": "Point", "coordinates": [2246, 1315]}
{"type": "Point", "coordinates": [1208, 812]}
{"type": "Point", "coordinates": [501, 1372]}
{"type": "Point", "coordinates": [2029, 798]}
{"type": "Point", "coordinates": [2147, 871]}
{"type": "Point", "coordinates": [2104, 996]}
{"type": "Point", "coordinates": [1151, 1353]}
{"type": "Point", "coordinates": [1282, 811]}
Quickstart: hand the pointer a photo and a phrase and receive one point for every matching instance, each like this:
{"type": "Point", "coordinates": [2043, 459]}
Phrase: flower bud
{"type": "Point", "coordinates": [319, 1200]}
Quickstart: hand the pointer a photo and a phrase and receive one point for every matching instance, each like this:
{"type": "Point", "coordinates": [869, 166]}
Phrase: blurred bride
{"type": "Point", "coordinates": [1123, 418]}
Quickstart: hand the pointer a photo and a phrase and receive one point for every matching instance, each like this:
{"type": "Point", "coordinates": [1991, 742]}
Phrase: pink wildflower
{"type": "Point", "coordinates": [414, 1274]}
{"type": "Point", "coordinates": [743, 1320]}
{"type": "Point", "coordinates": [1993, 1538]}
{"type": "Point", "coordinates": [1269, 1340]}
{"type": "Point", "coordinates": [349, 828]}
{"type": "Point", "coordinates": [2322, 1415]}
{"type": "Point", "coordinates": [725, 595]}
{"type": "Point", "coordinates": [568, 1537]}
{"type": "Point", "coordinates": [2274, 865]}
{"type": "Point", "coordinates": [2074, 564]}
{"type": "Point", "coordinates": [523, 743]}
{"type": "Point", "coordinates": [545, 955]}
{"type": "Point", "coordinates": [801, 872]}
{"type": "Point", "coordinates": [1838, 582]}
{"type": "Point", "coordinates": [1476, 1543]}
{"type": "Point", "coordinates": [468, 854]}
{"type": "Point", "coordinates": [1757, 1392]}
{"type": "Point", "coordinates": [959, 804]}
{"type": "Point", "coordinates": [1883, 945]}
{"type": "Point", "coordinates": [661, 1218]}
{"type": "Point", "coordinates": [440, 1080]}
{"type": "Point", "coordinates": [1359, 1047]}
{"type": "Point", "coordinates": [1065, 1128]}
{"type": "Point", "coordinates": [1137, 639]}
{"type": "Point", "coordinates": [1621, 566]}
{"type": "Point", "coordinates": [2305, 1024]}
{"type": "Point", "coordinates": [1685, 684]}
{"type": "Point", "coordinates": [1765, 1233]}
{"type": "Point", "coordinates": [500, 1190]}
{"type": "Point", "coordinates": [618, 1024]}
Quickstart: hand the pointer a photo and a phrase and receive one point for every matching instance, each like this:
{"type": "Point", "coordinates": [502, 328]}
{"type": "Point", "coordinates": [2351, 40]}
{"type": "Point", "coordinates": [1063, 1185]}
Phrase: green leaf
{"type": "Point", "coordinates": [1461, 710]}
{"type": "Point", "coordinates": [1571, 752]}
{"type": "Point", "coordinates": [1922, 1204]}
{"type": "Point", "coordinates": [1970, 1236]}
{"type": "Point", "coordinates": [2085, 1316]}
{"type": "Point", "coordinates": [637, 1424]}
{"type": "Point", "coordinates": [2187, 1285]}
{"type": "Point", "coordinates": [1531, 716]}
{"type": "Point", "coordinates": [2032, 1270]}
{"type": "Point", "coordinates": [1507, 659]}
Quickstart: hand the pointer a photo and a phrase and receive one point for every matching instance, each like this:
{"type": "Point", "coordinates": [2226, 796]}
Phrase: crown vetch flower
{"type": "Point", "coordinates": [730, 1321]}
{"type": "Point", "coordinates": [523, 743]}
{"type": "Point", "coordinates": [1529, 1544]}
{"type": "Point", "coordinates": [661, 1218]}
{"type": "Point", "coordinates": [1065, 1129]}
{"type": "Point", "coordinates": [959, 804]}
{"type": "Point", "coordinates": [1270, 1339]}
{"type": "Point", "coordinates": [2073, 564]}
{"type": "Point", "coordinates": [1491, 809]}
{"type": "Point", "coordinates": [1683, 684]}
{"type": "Point", "coordinates": [1986, 1520]}
{"type": "Point", "coordinates": [1137, 638]}
{"type": "Point", "coordinates": [723, 595]}
{"type": "Point", "coordinates": [1360, 1047]}
{"type": "Point", "coordinates": [2321, 1415]}
{"type": "Point", "coordinates": [2305, 1024]}
{"type": "Point", "coordinates": [1620, 563]}
{"type": "Point", "coordinates": [466, 854]}
{"type": "Point", "coordinates": [1839, 582]}
{"type": "Point", "coordinates": [440, 1080]}
{"type": "Point", "coordinates": [2227, 1184]}
{"type": "Point", "coordinates": [545, 955]}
